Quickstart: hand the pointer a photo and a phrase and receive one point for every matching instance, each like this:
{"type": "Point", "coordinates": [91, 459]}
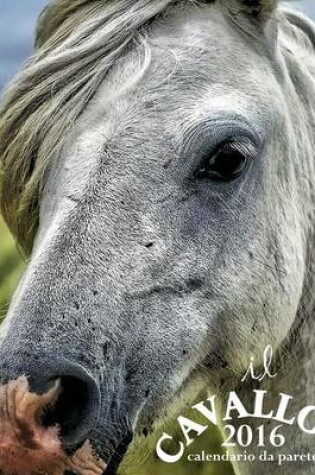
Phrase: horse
{"type": "Point", "coordinates": [157, 170]}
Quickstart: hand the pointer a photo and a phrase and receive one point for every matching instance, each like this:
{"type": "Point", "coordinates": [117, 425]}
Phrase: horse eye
{"type": "Point", "coordinates": [227, 163]}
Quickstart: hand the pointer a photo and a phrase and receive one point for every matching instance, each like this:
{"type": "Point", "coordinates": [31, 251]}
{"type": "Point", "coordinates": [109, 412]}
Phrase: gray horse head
{"type": "Point", "coordinates": [157, 162]}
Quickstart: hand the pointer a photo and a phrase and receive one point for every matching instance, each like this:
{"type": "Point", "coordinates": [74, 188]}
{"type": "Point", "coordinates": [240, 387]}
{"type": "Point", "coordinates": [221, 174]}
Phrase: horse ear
{"type": "Point", "coordinates": [259, 11]}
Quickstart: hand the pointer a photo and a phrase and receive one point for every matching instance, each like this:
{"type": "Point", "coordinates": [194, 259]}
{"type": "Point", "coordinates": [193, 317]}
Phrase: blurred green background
{"type": "Point", "coordinates": [11, 267]}
{"type": "Point", "coordinates": [143, 460]}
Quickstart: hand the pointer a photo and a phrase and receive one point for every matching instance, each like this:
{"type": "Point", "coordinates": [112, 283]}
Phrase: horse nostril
{"type": "Point", "coordinates": [72, 411]}
{"type": "Point", "coordinates": [41, 431]}
{"type": "Point", "coordinates": [72, 405]}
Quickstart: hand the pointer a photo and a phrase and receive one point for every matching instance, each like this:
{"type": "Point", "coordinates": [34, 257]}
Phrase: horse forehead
{"type": "Point", "coordinates": [190, 64]}
{"type": "Point", "coordinates": [181, 58]}
{"type": "Point", "coordinates": [201, 40]}
{"type": "Point", "coordinates": [201, 28]}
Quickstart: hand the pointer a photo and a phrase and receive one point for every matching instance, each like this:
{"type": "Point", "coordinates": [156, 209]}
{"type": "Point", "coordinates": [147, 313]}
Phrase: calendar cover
{"type": "Point", "coordinates": [157, 231]}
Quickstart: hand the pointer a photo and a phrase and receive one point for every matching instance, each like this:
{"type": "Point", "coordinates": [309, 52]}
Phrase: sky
{"type": "Point", "coordinates": [17, 23]}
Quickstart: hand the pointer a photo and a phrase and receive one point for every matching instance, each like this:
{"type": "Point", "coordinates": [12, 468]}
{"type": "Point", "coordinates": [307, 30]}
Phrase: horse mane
{"type": "Point", "coordinates": [77, 42]}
